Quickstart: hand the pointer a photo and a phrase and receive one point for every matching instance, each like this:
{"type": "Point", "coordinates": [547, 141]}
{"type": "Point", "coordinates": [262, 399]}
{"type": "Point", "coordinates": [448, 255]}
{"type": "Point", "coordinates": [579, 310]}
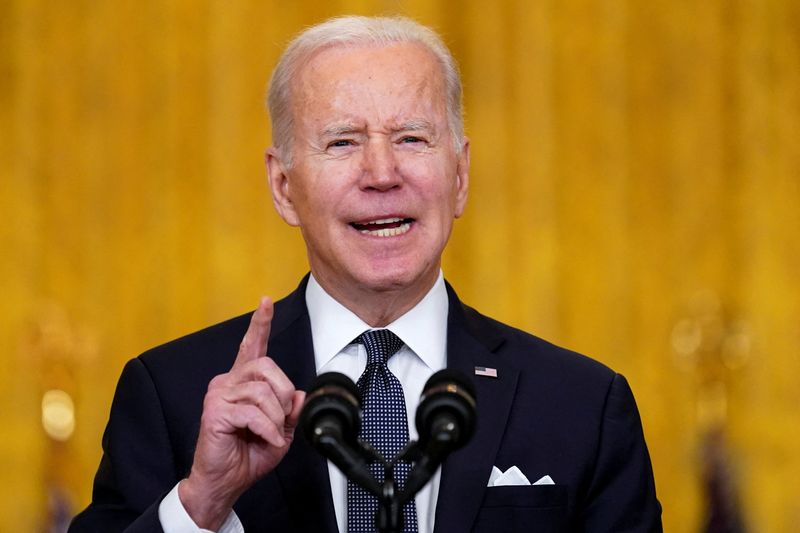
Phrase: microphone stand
{"type": "Point", "coordinates": [390, 510]}
{"type": "Point", "coordinates": [331, 417]}
{"type": "Point", "coordinates": [389, 518]}
{"type": "Point", "coordinates": [353, 461]}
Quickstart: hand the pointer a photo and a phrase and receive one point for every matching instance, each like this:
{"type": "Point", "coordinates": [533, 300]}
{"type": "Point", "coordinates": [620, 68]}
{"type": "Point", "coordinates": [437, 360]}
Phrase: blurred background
{"type": "Point", "coordinates": [635, 195]}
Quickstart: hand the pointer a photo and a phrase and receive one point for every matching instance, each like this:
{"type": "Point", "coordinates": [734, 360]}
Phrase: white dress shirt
{"type": "Point", "coordinates": [423, 329]}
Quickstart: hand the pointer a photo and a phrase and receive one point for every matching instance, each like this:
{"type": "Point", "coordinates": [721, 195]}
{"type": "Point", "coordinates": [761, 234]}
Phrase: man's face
{"type": "Point", "coordinates": [376, 181]}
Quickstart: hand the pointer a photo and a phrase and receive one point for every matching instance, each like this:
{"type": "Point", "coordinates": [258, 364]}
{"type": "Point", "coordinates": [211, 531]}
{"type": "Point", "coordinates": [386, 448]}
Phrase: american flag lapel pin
{"type": "Point", "coordinates": [486, 371]}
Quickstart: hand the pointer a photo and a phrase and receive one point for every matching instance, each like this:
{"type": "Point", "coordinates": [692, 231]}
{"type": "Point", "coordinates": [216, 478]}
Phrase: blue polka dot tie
{"type": "Point", "coordinates": [385, 426]}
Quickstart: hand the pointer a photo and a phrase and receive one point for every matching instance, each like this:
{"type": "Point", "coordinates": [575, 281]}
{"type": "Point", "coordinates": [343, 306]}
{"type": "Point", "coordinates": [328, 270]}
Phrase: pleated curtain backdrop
{"type": "Point", "coordinates": [635, 195]}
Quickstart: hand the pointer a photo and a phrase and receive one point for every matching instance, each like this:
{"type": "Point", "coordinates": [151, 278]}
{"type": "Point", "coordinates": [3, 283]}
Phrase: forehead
{"type": "Point", "coordinates": [398, 78]}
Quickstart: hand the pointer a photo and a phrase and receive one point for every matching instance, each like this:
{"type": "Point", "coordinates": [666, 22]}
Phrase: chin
{"type": "Point", "coordinates": [392, 279]}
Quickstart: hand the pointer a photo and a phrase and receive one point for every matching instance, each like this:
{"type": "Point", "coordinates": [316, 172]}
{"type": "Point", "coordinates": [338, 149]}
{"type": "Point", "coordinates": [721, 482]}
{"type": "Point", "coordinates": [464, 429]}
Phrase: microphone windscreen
{"type": "Point", "coordinates": [448, 397]}
{"type": "Point", "coordinates": [332, 401]}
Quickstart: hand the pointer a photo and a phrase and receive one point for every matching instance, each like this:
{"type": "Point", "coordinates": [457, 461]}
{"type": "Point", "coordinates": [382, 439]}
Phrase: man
{"type": "Point", "coordinates": [369, 160]}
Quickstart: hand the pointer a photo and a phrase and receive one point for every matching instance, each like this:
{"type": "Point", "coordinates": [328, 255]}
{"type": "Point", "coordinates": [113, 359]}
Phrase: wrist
{"type": "Point", "coordinates": [206, 508]}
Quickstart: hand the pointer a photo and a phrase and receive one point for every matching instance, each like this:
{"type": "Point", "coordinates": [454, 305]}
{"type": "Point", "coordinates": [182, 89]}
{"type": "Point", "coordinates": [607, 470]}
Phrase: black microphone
{"type": "Point", "coordinates": [332, 407]}
{"type": "Point", "coordinates": [445, 422]}
{"type": "Point", "coordinates": [446, 413]}
{"type": "Point", "coordinates": [331, 420]}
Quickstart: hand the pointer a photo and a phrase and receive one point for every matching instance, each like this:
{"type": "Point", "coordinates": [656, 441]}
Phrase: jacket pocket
{"type": "Point", "coordinates": [540, 508]}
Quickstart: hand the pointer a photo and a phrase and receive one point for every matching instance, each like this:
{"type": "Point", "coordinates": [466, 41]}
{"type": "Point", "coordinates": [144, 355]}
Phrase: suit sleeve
{"type": "Point", "coordinates": [622, 496]}
{"type": "Point", "coordinates": [137, 468]}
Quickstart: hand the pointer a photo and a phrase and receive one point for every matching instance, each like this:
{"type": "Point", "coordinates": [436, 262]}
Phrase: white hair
{"type": "Point", "coordinates": [357, 30]}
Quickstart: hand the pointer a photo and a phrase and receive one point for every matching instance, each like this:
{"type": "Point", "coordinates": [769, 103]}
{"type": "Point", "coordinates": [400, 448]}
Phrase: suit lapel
{"type": "Point", "coordinates": [303, 473]}
{"type": "Point", "coordinates": [472, 342]}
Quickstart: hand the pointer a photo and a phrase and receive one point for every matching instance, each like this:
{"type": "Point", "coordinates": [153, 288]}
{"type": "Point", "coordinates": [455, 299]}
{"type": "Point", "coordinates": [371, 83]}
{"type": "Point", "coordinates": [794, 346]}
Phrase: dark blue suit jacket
{"type": "Point", "coordinates": [549, 412]}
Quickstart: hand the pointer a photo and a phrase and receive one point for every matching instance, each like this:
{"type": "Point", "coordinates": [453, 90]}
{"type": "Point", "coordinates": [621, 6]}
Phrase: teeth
{"type": "Point", "coordinates": [385, 221]}
{"type": "Point", "coordinates": [388, 232]}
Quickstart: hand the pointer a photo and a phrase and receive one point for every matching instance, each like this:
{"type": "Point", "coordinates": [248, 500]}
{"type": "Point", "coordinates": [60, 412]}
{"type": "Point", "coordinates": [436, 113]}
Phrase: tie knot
{"type": "Point", "coordinates": [380, 344]}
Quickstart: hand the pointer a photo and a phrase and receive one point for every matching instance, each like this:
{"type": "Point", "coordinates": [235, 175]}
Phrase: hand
{"type": "Point", "coordinates": [248, 421]}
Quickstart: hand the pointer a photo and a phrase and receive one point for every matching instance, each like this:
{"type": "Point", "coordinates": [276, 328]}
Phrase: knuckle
{"type": "Point", "coordinates": [285, 393]}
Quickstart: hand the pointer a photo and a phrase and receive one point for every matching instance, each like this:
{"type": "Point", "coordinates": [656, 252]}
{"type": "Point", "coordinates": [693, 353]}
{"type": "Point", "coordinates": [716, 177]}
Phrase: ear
{"type": "Point", "coordinates": [462, 178]}
{"type": "Point", "coordinates": [279, 185]}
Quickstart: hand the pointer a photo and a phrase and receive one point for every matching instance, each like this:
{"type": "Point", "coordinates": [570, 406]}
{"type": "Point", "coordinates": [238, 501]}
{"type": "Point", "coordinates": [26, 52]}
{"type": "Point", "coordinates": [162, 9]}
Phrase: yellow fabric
{"type": "Point", "coordinates": [628, 156]}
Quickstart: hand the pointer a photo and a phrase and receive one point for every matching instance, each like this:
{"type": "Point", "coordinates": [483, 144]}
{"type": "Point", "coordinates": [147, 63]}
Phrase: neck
{"type": "Point", "coordinates": [378, 307]}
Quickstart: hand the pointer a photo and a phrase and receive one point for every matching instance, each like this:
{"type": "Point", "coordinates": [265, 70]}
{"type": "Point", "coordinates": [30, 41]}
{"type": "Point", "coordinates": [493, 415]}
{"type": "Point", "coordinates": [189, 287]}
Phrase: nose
{"type": "Point", "coordinates": [379, 166]}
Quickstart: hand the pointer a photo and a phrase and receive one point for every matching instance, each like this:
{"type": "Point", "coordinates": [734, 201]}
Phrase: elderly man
{"type": "Point", "coordinates": [370, 161]}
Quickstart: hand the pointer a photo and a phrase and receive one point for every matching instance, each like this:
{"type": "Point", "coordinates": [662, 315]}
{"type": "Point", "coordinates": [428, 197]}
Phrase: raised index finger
{"type": "Point", "coordinates": [254, 343]}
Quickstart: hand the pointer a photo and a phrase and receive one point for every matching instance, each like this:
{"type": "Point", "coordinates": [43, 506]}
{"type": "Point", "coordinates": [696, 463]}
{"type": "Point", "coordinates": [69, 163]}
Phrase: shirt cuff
{"type": "Point", "coordinates": [175, 519]}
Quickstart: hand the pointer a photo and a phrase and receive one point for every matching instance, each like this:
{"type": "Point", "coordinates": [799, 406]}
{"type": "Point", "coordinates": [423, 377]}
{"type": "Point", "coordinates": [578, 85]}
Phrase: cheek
{"type": "Point", "coordinates": [426, 168]}
{"type": "Point", "coordinates": [319, 195]}
{"type": "Point", "coordinates": [438, 186]}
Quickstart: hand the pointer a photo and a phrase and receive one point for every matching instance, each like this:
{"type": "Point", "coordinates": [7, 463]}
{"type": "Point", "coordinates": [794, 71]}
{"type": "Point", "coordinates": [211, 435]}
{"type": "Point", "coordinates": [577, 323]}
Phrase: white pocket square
{"type": "Point", "coordinates": [514, 476]}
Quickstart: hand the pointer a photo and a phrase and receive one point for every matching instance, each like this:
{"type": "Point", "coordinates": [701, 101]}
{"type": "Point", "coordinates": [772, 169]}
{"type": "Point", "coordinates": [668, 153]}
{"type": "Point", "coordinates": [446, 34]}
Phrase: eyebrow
{"type": "Point", "coordinates": [335, 130]}
{"type": "Point", "coordinates": [340, 129]}
{"type": "Point", "coordinates": [415, 125]}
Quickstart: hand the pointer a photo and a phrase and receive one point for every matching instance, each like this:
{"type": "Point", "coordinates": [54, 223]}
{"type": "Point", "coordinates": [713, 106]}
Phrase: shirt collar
{"type": "Point", "coordinates": [423, 328]}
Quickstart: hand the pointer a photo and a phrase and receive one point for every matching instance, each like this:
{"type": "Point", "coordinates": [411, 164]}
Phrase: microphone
{"type": "Point", "coordinates": [445, 422]}
{"type": "Point", "coordinates": [332, 407]}
{"type": "Point", "coordinates": [331, 420]}
{"type": "Point", "coordinates": [446, 413]}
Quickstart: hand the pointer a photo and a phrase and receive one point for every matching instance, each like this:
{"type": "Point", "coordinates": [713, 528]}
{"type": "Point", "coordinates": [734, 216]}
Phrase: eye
{"type": "Point", "coordinates": [408, 139]}
{"type": "Point", "coordinates": [339, 143]}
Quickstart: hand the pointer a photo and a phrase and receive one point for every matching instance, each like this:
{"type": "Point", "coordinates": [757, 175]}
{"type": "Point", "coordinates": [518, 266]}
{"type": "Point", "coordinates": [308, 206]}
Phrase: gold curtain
{"type": "Point", "coordinates": [635, 196]}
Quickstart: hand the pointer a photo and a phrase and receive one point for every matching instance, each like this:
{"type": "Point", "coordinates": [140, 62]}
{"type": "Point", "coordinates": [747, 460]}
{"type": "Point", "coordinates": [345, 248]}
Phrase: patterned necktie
{"type": "Point", "coordinates": [385, 426]}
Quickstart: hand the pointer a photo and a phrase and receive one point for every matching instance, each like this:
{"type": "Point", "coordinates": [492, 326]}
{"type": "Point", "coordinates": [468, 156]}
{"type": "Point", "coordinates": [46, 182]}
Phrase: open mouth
{"type": "Point", "coordinates": [385, 227]}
